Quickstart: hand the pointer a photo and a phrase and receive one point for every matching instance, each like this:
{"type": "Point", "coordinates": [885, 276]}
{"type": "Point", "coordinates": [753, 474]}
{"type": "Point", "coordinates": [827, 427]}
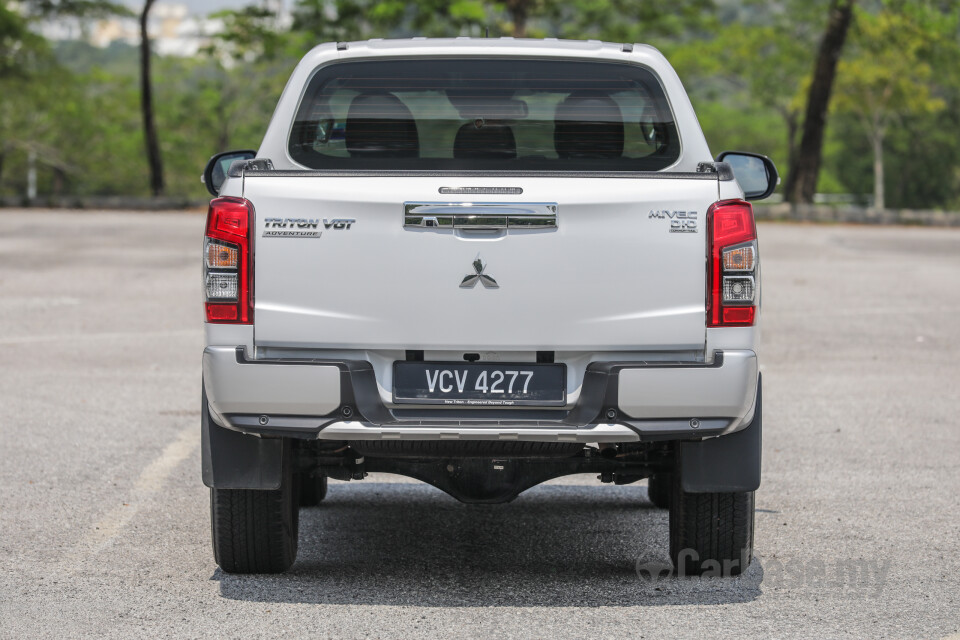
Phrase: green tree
{"type": "Point", "coordinates": [746, 76]}
{"type": "Point", "coordinates": [884, 78]}
{"type": "Point", "coordinates": [19, 47]}
{"type": "Point", "coordinates": [343, 20]}
{"type": "Point", "coordinates": [750, 75]}
{"type": "Point", "coordinates": [20, 52]}
{"type": "Point", "coordinates": [239, 77]}
{"type": "Point", "coordinates": [438, 18]}
{"type": "Point", "coordinates": [74, 8]}
{"type": "Point", "coordinates": [249, 34]}
{"type": "Point", "coordinates": [646, 21]}
{"type": "Point", "coordinates": [34, 89]}
{"type": "Point", "coordinates": [616, 20]}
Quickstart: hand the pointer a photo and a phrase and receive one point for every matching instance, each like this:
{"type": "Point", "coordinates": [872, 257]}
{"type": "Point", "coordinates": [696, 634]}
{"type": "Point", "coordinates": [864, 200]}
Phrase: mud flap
{"type": "Point", "coordinates": [727, 464]}
{"type": "Point", "coordinates": [234, 460]}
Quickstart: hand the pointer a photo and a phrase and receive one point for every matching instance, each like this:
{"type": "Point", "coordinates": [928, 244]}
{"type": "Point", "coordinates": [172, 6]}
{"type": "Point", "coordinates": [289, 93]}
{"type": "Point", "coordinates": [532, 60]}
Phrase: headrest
{"type": "Point", "coordinates": [588, 125]}
{"type": "Point", "coordinates": [379, 125]}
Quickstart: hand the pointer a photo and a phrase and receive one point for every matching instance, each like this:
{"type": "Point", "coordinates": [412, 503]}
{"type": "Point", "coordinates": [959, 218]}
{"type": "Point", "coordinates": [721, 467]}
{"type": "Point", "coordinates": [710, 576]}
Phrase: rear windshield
{"type": "Point", "coordinates": [486, 114]}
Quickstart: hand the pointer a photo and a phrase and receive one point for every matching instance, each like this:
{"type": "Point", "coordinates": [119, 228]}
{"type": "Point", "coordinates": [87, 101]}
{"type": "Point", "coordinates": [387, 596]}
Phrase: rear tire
{"type": "Point", "coordinates": [711, 533]}
{"type": "Point", "coordinates": [312, 490]}
{"type": "Point", "coordinates": [659, 488]}
{"type": "Point", "coordinates": [255, 531]}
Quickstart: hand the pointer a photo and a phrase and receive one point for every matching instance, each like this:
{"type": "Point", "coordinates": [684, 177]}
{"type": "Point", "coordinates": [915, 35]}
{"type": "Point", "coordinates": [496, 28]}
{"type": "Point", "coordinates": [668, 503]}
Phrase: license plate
{"type": "Point", "coordinates": [480, 385]}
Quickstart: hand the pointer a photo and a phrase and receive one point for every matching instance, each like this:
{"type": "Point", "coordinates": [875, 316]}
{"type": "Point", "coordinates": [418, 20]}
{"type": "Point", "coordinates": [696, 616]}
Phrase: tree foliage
{"type": "Point", "coordinates": [747, 65]}
{"type": "Point", "coordinates": [884, 79]}
{"type": "Point", "coordinates": [73, 8]}
{"type": "Point", "coordinates": [20, 48]}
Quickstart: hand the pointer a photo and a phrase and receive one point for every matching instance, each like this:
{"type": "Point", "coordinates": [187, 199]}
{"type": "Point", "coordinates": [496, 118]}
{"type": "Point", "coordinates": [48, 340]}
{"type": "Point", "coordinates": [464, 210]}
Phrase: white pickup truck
{"type": "Point", "coordinates": [482, 263]}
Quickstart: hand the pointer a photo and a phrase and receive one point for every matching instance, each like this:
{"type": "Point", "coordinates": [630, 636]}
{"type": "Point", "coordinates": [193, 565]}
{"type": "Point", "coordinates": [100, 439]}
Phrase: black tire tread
{"type": "Point", "coordinates": [717, 526]}
{"type": "Point", "coordinates": [254, 531]}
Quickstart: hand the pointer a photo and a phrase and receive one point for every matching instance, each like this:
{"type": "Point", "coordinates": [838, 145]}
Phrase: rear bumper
{"type": "Point", "coordinates": [619, 402]}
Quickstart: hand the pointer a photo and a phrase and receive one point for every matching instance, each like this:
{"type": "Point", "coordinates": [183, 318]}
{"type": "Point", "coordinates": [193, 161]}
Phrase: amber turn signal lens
{"type": "Point", "coordinates": [220, 256]}
{"type": "Point", "coordinates": [739, 259]}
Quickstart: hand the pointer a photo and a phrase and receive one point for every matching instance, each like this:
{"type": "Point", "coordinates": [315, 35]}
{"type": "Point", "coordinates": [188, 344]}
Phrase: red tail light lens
{"type": "Point", "coordinates": [227, 263]}
{"type": "Point", "coordinates": [732, 268]}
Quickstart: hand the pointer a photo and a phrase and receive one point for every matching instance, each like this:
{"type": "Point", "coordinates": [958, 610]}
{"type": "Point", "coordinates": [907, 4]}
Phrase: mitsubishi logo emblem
{"type": "Point", "coordinates": [470, 280]}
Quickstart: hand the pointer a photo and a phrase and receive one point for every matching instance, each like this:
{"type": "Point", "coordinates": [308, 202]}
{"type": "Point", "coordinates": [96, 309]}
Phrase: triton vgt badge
{"type": "Point", "coordinates": [291, 228]}
{"type": "Point", "coordinates": [680, 221]}
{"type": "Point", "coordinates": [302, 227]}
{"type": "Point", "coordinates": [470, 280]}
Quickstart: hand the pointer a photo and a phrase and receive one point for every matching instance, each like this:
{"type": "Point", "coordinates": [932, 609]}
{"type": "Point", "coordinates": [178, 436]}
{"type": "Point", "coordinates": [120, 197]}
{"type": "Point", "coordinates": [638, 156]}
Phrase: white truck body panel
{"type": "Point", "coordinates": [379, 285]}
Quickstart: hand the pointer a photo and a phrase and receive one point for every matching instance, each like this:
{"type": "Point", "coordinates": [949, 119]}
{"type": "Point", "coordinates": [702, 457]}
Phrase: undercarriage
{"type": "Point", "coordinates": [483, 472]}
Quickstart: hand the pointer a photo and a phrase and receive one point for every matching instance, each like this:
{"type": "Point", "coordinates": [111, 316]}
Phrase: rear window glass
{"type": "Point", "coordinates": [487, 114]}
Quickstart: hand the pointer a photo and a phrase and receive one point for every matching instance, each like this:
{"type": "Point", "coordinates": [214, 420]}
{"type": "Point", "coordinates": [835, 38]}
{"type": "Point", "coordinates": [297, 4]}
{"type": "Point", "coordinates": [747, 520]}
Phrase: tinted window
{"type": "Point", "coordinates": [462, 114]}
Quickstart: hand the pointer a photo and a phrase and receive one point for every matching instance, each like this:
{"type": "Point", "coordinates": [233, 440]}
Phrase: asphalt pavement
{"type": "Point", "coordinates": [104, 524]}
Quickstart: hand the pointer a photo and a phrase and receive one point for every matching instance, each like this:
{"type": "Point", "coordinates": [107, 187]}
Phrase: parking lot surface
{"type": "Point", "coordinates": [104, 528]}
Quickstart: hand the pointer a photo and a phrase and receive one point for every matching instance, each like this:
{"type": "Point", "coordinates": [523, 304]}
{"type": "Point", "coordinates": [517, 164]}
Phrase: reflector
{"type": "Point", "coordinates": [221, 312]}
{"type": "Point", "coordinates": [742, 316]}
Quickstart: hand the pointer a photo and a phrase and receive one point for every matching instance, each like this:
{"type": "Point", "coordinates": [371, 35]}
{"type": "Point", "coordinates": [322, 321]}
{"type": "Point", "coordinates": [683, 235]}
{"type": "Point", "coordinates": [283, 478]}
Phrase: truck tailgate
{"type": "Point", "coordinates": [610, 276]}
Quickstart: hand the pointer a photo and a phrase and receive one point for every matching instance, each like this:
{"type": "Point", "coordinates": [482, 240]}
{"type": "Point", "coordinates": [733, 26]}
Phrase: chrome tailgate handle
{"type": "Point", "coordinates": [480, 215]}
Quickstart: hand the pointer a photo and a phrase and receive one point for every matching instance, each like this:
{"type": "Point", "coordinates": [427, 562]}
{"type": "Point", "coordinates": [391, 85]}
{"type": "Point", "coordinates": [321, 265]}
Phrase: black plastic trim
{"type": "Point", "coordinates": [360, 401]}
{"type": "Point", "coordinates": [246, 167]}
{"type": "Point", "coordinates": [723, 171]}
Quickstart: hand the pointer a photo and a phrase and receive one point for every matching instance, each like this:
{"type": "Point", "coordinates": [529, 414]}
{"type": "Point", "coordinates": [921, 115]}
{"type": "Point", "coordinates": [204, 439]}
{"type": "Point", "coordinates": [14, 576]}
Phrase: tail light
{"type": "Point", "coordinates": [227, 264]}
{"type": "Point", "coordinates": [732, 266]}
